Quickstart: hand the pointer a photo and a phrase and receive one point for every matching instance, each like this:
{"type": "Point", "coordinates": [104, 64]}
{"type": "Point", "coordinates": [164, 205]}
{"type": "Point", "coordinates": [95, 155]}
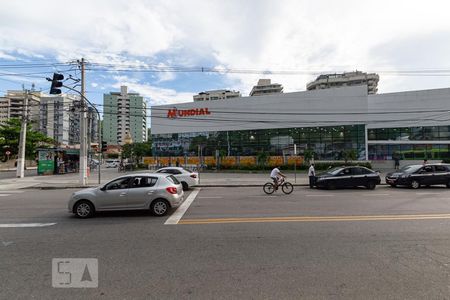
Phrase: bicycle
{"type": "Point", "coordinates": [286, 187]}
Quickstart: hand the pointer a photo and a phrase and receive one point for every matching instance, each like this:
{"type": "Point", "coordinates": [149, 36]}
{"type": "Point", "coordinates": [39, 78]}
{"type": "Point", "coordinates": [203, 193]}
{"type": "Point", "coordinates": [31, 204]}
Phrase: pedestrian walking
{"type": "Point", "coordinates": [311, 175]}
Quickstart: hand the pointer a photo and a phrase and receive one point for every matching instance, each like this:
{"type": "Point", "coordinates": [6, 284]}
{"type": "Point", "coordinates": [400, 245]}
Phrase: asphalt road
{"type": "Point", "coordinates": [238, 243]}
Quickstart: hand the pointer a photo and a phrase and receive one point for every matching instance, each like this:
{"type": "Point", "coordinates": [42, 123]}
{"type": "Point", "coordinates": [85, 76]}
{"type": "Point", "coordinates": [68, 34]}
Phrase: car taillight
{"type": "Point", "coordinates": [194, 175]}
{"type": "Point", "coordinates": [172, 190]}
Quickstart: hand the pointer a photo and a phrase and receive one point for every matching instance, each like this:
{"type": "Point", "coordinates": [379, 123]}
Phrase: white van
{"type": "Point", "coordinates": [112, 163]}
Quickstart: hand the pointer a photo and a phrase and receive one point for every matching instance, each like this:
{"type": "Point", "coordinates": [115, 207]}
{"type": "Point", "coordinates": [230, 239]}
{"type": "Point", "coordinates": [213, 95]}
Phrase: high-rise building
{"type": "Point", "coordinates": [327, 81]}
{"type": "Point", "coordinates": [15, 101]}
{"type": "Point", "coordinates": [265, 87]}
{"type": "Point", "coordinates": [55, 117]}
{"type": "Point", "coordinates": [216, 95]}
{"type": "Point", "coordinates": [124, 114]}
{"type": "Point", "coordinates": [74, 121]}
{"type": "Point", "coordinates": [60, 119]}
{"type": "Point", "coordinates": [4, 109]}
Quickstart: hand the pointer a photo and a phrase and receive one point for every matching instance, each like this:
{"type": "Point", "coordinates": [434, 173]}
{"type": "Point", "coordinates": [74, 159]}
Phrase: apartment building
{"type": "Point", "coordinates": [266, 87]}
{"type": "Point", "coordinates": [216, 95]}
{"type": "Point", "coordinates": [327, 81]}
{"type": "Point", "coordinates": [124, 114]}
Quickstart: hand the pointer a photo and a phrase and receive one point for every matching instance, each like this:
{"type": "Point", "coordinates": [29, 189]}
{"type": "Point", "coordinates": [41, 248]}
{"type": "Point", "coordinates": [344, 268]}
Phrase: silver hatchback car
{"type": "Point", "coordinates": [156, 192]}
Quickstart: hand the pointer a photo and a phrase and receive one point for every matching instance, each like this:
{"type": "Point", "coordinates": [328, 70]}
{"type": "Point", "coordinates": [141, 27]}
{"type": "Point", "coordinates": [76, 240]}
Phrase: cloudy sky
{"type": "Point", "coordinates": [124, 40]}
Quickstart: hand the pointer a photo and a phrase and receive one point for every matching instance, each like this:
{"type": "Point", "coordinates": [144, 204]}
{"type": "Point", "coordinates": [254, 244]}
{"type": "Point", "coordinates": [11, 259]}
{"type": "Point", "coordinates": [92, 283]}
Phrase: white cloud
{"type": "Point", "coordinates": [6, 56]}
{"type": "Point", "coordinates": [155, 95]}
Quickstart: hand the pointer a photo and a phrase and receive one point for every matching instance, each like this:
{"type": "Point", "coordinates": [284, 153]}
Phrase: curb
{"type": "Point", "coordinates": [200, 186]}
{"type": "Point", "coordinates": [64, 187]}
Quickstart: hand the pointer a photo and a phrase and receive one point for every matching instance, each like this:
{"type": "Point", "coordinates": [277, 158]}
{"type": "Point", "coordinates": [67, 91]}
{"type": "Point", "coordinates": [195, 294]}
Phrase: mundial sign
{"type": "Point", "coordinates": [179, 113]}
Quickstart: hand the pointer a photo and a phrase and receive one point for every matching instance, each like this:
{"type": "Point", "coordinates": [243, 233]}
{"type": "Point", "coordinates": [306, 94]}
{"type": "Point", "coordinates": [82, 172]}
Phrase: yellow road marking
{"type": "Point", "coordinates": [316, 219]}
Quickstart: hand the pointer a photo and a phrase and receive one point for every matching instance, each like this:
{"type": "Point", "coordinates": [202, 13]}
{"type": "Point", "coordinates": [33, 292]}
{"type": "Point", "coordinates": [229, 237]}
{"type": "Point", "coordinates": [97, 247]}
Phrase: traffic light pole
{"type": "Point", "coordinates": [99, 124]}
{"type": "Point", "coordinates": [20, 173]}
{"type": "Point", "coordinates": [83, 131]}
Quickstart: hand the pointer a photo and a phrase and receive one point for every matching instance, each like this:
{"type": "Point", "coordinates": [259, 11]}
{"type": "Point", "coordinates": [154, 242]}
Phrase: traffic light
{"type": "Point", "coordinates": [56, 84]}
{"type": "Point", "coordinates": [104, 146]}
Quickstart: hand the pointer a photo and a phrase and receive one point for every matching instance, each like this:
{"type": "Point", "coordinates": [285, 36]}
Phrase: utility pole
{"type": "Point", "coordinates": [83, 133]}
{"type": "Point", "coordinates": [23, 137]}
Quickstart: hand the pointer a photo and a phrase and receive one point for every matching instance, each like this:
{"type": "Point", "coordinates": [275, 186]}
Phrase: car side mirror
{"type": "Point", "coordinates": [103, 188]}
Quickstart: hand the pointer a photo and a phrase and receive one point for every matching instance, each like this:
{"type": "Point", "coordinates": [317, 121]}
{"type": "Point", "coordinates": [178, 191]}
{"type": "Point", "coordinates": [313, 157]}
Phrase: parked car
{"type": "Point", "coordinates": [348, 177]}
{"type": "Point", "coordinates": [112, 163]}
{"type": "Point", "coordinates": [187, 177]}
{"type": "Point", "coordinates": [416, 176]}
{"type": "Point", "coordinates": [156, 192]}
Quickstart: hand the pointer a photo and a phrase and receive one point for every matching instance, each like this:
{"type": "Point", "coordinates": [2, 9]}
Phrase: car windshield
{"type": "Point", "coordinates": [173, 179]}
{"type": "Point", "coordinates": [410, 169]}
{"type": "Point", "coordinates": [335, 171]}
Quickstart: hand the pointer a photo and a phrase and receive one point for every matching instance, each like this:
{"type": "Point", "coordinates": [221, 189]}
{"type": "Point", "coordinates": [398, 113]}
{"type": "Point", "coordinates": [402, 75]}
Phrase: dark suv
{"type": "Point", "coordinates": [418, 175]}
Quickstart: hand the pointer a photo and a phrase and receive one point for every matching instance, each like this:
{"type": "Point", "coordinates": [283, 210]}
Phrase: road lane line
{"type": "Point", "coordinates": [23, 225]}
{"type": "Point", "coordinates": [178, 214]}
{"type": "Point", "coordinates": [317, 219]}
{"type": "Point", "coordinates": [319, 195]}
{"type": "Point", "coordinates": [210, 197]}
{"type": "Point", "coordinates": [377, 195]}
{"type": "Point", "coordinates": [5, 195]}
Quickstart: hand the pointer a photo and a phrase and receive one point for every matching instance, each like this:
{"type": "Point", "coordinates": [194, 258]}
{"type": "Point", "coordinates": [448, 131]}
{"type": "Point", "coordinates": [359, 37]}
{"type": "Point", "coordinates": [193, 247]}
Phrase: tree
{"type": "Point", "coordinates": [137, 150]}
{"type": "Point", "coordinates": [10, 136]}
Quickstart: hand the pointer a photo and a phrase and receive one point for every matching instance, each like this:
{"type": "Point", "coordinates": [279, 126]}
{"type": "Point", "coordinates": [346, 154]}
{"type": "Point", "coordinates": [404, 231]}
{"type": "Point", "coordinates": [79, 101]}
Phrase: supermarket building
{"type": "Point", "coordinates": [412, 124]}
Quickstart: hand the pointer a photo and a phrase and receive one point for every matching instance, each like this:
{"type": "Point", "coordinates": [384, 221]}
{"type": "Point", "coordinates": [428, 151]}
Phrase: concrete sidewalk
{"type": "Point", "coordinates": [207, 179]}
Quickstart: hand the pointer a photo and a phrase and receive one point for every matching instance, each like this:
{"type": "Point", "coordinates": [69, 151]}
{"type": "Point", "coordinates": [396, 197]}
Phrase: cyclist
{"type": "Point", "coordinates": [276, 175]}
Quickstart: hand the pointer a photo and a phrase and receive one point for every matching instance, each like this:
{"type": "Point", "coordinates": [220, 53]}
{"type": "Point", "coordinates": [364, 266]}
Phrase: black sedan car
{"type": "Point", "coordinates": [348, 177]}
{"type": "Point", "coordinates": [420, 175]}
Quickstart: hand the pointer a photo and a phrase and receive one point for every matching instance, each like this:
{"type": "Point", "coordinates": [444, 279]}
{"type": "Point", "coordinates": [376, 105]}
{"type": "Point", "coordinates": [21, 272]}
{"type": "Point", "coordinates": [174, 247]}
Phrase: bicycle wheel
{"type": "Point", "coordinates": [287, 188]}
{"type": "Point", "coordinates": [268, 188]}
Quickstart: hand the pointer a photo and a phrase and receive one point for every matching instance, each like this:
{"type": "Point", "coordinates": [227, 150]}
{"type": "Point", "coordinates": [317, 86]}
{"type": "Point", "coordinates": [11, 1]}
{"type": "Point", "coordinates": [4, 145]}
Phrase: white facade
{"type": "Point", "coordinates": [327, 81]}
{"type": "Point", "coordinates": [422, 117]}
{"type": "Point", "coordinates": [216, 95]}
{"type": "Point", "coordinates": [329, 107]}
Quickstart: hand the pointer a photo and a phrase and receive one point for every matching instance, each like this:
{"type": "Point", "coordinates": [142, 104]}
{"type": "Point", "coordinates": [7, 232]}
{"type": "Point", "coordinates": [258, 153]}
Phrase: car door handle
{"type": "Point", "coordinates": [123, 194]}
{"type": "Point", "coordinates": [150, 192]}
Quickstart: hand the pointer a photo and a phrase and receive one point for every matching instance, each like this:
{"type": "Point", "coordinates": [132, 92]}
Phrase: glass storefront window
{"type": "Point", "coordinates": [429, 133]}
{"type": "Point", "coordinates": [326, 142]}
{"type": "Point", "coordinates": [411, 152]}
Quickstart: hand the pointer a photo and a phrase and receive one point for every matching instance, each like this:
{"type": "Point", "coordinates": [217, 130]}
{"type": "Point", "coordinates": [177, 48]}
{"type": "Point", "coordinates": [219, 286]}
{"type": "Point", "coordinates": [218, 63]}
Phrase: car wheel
{"type": "Point", "coordinates": [393, 185]}
{"type": "Point", "coordinates": [159, 207]}
{"type": "Point", "coordinates": [371, 185]}
{"type": "Point", "coordinates": [415, 184]}
{"type": "Point", "coordinates": [185, 186]}
{"type": "Point", "coordinates": [83, 209]}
